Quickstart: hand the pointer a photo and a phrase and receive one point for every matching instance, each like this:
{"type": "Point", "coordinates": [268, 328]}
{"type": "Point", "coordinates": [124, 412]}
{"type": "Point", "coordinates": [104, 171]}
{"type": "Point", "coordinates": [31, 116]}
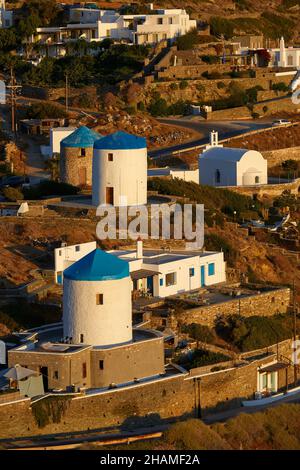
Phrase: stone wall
{"type": "Point", "coordinates": [263, 304]}
{"type": "Point", "coordinates": [164, 400]}
{"type": "Point", "coordinates": [276, 157]}
{"type": "Point", "coordinates": [270, 190]}
{"type": "Point", "coordinates": [72, 164]}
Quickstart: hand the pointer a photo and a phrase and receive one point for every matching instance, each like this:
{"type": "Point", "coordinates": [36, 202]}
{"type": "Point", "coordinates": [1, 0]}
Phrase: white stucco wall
{"type": "Point", "coordinates": [126, 174]}
{"type": "Point", "coordinates": [252, 165]}
{"type": "Point", "coordinates": [57, 134]}
{"type": "Point", "coordinates": [234, 173]}
{"type": "Point", "coordinates": [65, 256]}
{"type": "Point", "coordinates": [184, 282]}
{"type": "Point", "coordinates": [100, 325]}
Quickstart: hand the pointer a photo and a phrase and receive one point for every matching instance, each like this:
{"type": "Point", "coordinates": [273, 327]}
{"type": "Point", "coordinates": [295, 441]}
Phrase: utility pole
{"type": "Point", "coordinates": [13, 87]}
{"type": "Point", "coordinates": [295, 334]}
{"type": "Point", "coordinates": [67, 93]}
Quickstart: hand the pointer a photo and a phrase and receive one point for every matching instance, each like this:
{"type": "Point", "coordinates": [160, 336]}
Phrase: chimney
{"type": "Point", "coordinates": [214, 139]}
{"type": "Point", "coordinates": [139, 248]}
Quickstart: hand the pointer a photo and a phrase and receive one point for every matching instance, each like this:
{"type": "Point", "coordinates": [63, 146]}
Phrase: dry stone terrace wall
{"type": "Point", "coordinates": [144, 404]}
{"type": "Point", "coordinates": [276, 157]}
{"type": "Point", "coordinates": [271, 190]}
{"type": "Point", "coordinates": [263, 304]}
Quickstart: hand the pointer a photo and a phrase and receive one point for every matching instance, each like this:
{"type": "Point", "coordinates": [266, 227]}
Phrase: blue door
{"type": "Point", "coordinates": [150, 284]}
{"type": "Point", "coordinates": [202, 276]}
{"type": "Point", "coordinates": [59, 278]}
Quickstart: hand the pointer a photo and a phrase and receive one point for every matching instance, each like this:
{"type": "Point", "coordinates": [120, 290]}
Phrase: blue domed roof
{"type": "Point", "coordinates": [83, 137]}
{"type": "Point", "coordinates": [121, 141]}
{"type": "Point", "coordinates": [97, 266]}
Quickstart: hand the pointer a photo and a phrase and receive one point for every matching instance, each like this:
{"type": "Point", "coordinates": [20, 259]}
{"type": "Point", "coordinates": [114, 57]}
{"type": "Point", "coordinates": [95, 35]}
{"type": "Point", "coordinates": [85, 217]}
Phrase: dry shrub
{"type": "Point", "coordinates": [193, 435]}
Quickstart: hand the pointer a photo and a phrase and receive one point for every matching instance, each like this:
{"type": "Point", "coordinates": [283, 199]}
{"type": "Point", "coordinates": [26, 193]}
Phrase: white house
{"type": "Point", "coordinates": [285, 56]}
{"type": "Point", "coordinates": [185, 175]}
{"type": "Point", "coordinates": [161, 273]}
{"type": "Point", "coordinates": [65, 256]}
{"type": "Point", "coordinates": [57, 134]}
{"type": "Point", "coordinates": [96, 25]}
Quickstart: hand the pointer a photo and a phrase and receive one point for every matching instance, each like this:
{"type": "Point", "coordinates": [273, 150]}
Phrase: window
{"type": "Point", "coordinates": [59, 253]}
{"type": "Point", "coordinates": [161, 282]}
{"type": "Point", "coordinates": [211, 269]}
{"type": "Point", "coordinates": [110, 157]}
{"type": "Point", "coordinates": [55, 374]}
{"type": "Point", "coordinates": [170, 20]}
{"type": "Point", "coordinates": [99, 299]}
{"type": "Point", "coordinates": [159, 21]}
{"type": "Point", "coordinates": [256, 179]}
{"type": "Point", "coordinates": [77, 248]}
{"type": "Point", "coordinates": [192, 272]}
{"type": "Point", "coordinates": [84, 370]}
{"type": "Point", "coordinates": [82, 152]}
{"type": "Point", "coordinates": [218, 176]}
{"type": "Point", "coordinates": [81, 338]}
{"type": "Point", "coordinates": [171, 279]}
{"type": "Point", "coordinates": [101, 364]}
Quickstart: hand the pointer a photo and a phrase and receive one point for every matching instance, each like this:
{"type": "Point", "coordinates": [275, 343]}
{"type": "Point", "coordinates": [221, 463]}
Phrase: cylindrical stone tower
{"type": "Point", "coordinates": [76, 157]}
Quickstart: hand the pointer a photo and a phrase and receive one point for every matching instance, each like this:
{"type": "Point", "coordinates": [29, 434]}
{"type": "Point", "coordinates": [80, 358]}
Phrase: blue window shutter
{"type": "Point", "coordinates": [161, 282]}
{"type": "Point", "coordinates": [211, 269]}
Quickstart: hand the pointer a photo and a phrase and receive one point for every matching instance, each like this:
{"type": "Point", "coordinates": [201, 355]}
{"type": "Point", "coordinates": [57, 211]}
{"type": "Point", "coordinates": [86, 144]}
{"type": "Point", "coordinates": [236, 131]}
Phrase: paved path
{"type": "Point", "coordinates": [226, 130]}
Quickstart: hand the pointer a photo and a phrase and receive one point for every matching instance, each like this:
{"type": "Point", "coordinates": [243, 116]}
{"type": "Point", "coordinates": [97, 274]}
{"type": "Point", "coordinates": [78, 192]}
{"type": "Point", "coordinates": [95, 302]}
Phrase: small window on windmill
{"type": "Point", "coordinates": [82, 152]}
{"type": "Point", "coordinates": [110, 157]}
{"type": "Point", "coordinates": [99, 299]}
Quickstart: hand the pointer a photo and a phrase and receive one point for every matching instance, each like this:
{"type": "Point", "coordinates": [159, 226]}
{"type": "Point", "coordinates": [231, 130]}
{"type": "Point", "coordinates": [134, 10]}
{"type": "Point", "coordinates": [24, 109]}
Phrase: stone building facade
{"type": "Point", "coordinates": [76, 157]}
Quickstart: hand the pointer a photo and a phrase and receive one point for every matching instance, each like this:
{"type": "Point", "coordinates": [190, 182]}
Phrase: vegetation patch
{"type": "Point", "coordinates": [50, 410]}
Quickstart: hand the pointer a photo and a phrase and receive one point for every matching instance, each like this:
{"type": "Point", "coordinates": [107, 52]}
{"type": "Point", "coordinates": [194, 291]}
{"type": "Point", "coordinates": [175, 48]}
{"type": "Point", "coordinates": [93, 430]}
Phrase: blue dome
{"type": "Point", "coordinates": [97, 266]}
{"type": "Point", "coordinates": [120, 141]}
{"type": "Point", "coordinates": [83, 137]}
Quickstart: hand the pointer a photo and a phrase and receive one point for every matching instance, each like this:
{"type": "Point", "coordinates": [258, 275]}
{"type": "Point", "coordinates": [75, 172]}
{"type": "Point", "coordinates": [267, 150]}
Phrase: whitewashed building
{"type": "Point", "coordinates": [65, 256]}
{"type": "Point", "coordinates": [57, 134]}
{"type": "Point", "coordinates": [224, 166]}
{"type": "Point", "coordinates": [157, 272]}
{"type": "Point", "coordinates": [120, 170]}
{"type": "Point", "coordinates": [285, 57]}
{"type": "Point", "coordinates": [221, 166]}
{"type": "Point", "coordinates": [96, 25]}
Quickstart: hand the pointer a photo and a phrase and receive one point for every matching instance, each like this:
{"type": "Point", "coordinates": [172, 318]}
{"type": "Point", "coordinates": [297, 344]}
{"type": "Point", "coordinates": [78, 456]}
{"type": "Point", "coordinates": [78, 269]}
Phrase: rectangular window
{"type": "Point", "coordinates": [161, 282]}
{"type": "Point", "coordinates": [59, 253]}
{"type": "Point", "coordinates": [55, 374]}
{"type": "Point", "coordinates": [110, 157]}
{"type": "Point", "coordinates": [99, 299]}
{"type": "Point", "coordinates": [82, 152]}
{"type": "Point", "coordinates": [84, 370]}
{"type": "Point", "coordinates": [81, 338]}
{"type": "Point", "coordinates": [171, 279]}
{"type": "Point", "coordinates": [170, 20]}
{"type": "Point", "coordinates": [101, 364]}
{"type": "Point", "coordinates": [211, 269]}
{"type": "Point", "coordinates": [77, 248]}
{"type": "Point", "coordinates": [159, 21]}
{"type": "Point", "coordinates": [192, 272]}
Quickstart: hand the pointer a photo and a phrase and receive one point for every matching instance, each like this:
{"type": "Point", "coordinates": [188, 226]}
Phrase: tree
{"type": "Point", "coordinates": [187, 41]}
{"type": "Point", "coordinates": [8, 39]}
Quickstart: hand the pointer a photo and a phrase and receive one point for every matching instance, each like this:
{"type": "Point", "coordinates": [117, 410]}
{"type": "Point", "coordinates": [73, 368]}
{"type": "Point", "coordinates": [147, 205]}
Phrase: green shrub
{"type": "Point", "coordinates": [12, 194]}
{"type": "Point", "coordinates": [50, 188]}
{"type": "Point", "coordinates": [183, 84]}
{"type": "Point", "coordinates": [199, 332]}
{"type": "Point", "coordinates": [49, 410]}
{"type": "Point", "coordinates": [187, 41]}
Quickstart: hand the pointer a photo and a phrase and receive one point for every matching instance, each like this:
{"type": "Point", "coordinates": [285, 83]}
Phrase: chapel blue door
{"type": "Point", "coordinates": [59, 278]}
{"type": "Point", "coordinates": [202, 276]}
{"type": "Point", "coordinates": [150, 284]}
